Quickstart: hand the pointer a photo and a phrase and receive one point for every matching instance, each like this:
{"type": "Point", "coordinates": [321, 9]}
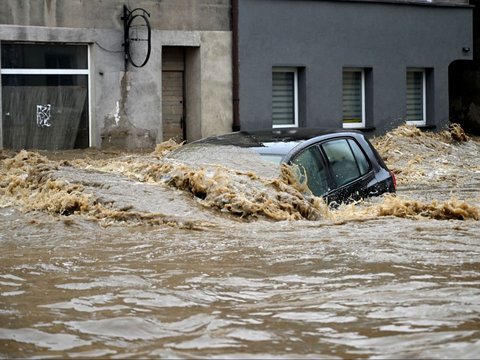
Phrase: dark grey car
{"type": "Point", "coordinates": [338, 165]}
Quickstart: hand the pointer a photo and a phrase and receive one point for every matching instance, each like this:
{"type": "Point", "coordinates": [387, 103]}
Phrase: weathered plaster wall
{"type": "Point", "coordinates": [216, 72]}
{"type": "Point", "coordinates": [128, 104]}
{"type": "Point", "coordinates": [134, 118]}
{"type": "Point", "coordinates": [201, 15]}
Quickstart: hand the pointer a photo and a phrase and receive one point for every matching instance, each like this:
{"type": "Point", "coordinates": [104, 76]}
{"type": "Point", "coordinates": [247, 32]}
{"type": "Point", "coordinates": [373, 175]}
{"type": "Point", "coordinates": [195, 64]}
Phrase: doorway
{"type": "Point", "coordinates": [464, 97]}
{"type": "Point", "coordinates": [173, 93]}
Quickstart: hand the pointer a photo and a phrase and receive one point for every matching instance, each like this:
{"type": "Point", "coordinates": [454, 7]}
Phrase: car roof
{"type": "Point", "coordinates": [277, 141]}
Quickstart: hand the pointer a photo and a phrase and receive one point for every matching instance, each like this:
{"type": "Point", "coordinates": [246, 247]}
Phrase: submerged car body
{"type": "Point", "coordinates": [338, 165]}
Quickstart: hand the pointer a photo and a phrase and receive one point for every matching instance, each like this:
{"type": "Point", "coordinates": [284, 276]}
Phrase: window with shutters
{"type": "Point", "coordinates": [284, 97]}
{"type": "Point", "coordinates": [353, 98]}
{"type": "Point", "coordinates": [416, 97]}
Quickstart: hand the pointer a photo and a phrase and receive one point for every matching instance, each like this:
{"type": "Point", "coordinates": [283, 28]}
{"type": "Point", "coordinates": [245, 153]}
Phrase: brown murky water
{"type": "Point", "coordinates": [183, 255]}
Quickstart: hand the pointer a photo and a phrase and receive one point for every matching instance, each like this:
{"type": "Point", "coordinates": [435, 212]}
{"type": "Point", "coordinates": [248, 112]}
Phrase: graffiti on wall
{"type": "Point", "coordinates": [44, 115]}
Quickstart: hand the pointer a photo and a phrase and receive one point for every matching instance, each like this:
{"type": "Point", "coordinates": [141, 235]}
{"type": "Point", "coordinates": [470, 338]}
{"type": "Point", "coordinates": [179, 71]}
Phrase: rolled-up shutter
{"type": "Point", "coordinates": [352, 97]}
{"type": "Point", "coordinates": [283, 98]}
{"type": "Point", "coordinates": [415, 96]}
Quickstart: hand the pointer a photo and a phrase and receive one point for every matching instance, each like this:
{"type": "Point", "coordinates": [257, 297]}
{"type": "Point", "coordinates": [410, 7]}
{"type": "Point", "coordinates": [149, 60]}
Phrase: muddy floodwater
{"type": "Point", "coordinates": [193, 254]}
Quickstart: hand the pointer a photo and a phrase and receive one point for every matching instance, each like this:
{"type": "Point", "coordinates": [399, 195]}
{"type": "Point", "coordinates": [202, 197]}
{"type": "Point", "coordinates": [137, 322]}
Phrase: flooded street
{"type": "Point", "coordinates": [168, 254]}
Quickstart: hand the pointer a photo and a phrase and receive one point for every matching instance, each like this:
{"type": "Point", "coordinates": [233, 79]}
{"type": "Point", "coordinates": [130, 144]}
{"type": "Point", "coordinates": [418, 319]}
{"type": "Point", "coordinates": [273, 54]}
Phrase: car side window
{"type": "Point", "coordinates": [342, 161]}
{"type": "Point", "coordinates": [362, 162]}
{"type": "Point", "coordinates": [311, 164]}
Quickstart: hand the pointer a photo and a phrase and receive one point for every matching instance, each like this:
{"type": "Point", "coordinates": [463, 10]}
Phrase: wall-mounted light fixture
{"type": "Point", "coordinates": [137, 36]}
{"type": "Point", "coordinates": [466, 50]}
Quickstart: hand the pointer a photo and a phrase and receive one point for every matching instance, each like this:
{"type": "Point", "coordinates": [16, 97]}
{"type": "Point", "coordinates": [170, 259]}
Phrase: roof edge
{"type": "Point", "coordinates": [424, 3]}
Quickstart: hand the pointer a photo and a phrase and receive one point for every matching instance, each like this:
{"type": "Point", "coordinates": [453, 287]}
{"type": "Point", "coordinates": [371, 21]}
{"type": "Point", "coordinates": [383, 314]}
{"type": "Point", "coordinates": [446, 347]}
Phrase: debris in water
{"type": "Point", "coordinates": [451, 209]}
{"type": "Point", "coordinates": [457, 133]}
{"type": "Point", "coordinates": [420, 157]}
{"type": "Point", "coordinates": [165, 147]}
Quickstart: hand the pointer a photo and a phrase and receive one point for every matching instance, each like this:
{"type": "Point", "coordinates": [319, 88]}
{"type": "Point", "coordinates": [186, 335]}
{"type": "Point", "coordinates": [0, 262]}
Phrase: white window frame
{"type": "Point", "coordinates": [19, 71]}
{"type": "Point", "coordinates": [361, 124]}
{"type": "Point", "coordinates": [424, 98]}
{"type": "Point", "coordinates": [293, 70]}
{"type": "Point", "coordinates": [11, 71]}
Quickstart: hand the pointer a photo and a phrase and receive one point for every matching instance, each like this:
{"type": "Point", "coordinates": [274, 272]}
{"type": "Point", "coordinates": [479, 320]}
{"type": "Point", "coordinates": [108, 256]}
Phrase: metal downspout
{"type": "Point", "coordinates": [235, 68]}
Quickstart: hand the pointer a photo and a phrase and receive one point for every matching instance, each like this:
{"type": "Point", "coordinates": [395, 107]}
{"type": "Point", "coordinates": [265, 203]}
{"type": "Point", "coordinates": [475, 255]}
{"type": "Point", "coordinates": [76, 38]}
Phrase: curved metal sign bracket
{"type": "Point", "coordinates": [128, 18]}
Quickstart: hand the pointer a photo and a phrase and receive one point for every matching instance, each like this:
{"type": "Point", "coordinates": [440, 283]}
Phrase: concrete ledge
{"type": "Point", "coordinates": [55, 34]}
{"type": "Point", "coordinates": [178, 38]}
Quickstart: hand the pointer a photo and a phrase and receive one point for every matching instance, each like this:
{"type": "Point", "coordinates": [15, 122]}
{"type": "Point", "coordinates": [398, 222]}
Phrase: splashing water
{"type": "Point", "coordinates": [36, 183]}
{"type": "Point", "coordinates": [177, 254]}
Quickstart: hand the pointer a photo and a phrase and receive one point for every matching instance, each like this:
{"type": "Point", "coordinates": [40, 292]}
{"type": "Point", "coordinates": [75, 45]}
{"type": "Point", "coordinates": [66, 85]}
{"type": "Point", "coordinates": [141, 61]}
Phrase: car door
{"type": "Point", "coordinates": [350, 171]}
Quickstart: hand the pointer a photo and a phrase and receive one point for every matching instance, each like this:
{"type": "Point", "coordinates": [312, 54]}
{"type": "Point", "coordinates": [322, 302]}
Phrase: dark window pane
{"type": "Point", "coordinates": [44, 56]}
{"type": "Point", "coordinates": [45, 111]}
{"type": "Point", "coordinates": [342, 161]}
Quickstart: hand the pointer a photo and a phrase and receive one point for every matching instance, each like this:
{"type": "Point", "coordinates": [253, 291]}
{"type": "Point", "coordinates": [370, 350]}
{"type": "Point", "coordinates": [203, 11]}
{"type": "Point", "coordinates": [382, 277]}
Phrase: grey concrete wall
{"type": "Point", "coordinates": [126, 107]}
{"type": "Point", "coordinates": [322, 37]}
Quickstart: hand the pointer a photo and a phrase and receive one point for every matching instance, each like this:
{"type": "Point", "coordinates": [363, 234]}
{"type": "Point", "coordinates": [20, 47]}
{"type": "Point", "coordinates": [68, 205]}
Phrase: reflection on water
{"type": "Point", "coordinates": [142, 266]}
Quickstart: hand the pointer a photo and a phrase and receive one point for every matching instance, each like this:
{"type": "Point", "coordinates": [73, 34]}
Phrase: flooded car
{"type": "Point", "coordinates": [338, 165]}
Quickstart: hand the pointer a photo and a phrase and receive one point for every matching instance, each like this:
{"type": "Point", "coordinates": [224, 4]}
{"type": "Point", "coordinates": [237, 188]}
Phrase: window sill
{"type": "Point", "coordinates": [426, 127]}
{"type": "Point", "coordinates": [365, 129]}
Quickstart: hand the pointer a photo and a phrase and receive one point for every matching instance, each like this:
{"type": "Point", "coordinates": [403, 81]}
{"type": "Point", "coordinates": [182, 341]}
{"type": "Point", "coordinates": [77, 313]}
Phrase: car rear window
{"type": "Point", "coordinates": [342, 161]}
{"type": "Point", "coordinates": [312, 167]}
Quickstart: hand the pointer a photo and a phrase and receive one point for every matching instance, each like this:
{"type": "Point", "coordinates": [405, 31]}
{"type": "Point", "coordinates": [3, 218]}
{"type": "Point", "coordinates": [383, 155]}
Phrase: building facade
{"type": "Point", "coordinates": [196, 68]}
{"type": "Point", "coordinates": [369, 65]}
{"type": "Point", "coordinates": [65, 82]}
